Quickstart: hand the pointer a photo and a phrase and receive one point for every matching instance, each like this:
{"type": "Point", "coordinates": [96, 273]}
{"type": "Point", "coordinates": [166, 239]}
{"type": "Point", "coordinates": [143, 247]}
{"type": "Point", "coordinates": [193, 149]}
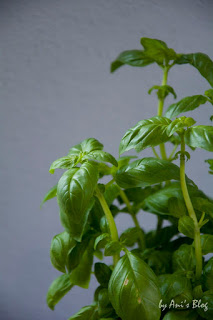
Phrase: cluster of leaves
{"type": "Point", "coordinates": [150, 270]}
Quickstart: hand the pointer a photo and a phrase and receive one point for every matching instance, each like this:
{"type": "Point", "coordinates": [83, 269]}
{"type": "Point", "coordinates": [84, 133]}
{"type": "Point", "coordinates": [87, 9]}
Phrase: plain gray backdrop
{"type": "Point", "coordinates": [56, 90]}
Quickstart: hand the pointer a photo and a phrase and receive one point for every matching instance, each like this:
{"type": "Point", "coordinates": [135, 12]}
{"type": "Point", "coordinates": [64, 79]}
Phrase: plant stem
{"type": "Point", "coordinates": [197, 240]}
{"type": "Point", "coordinates": [110, 220]}
{"type": "Point", "coordinates": [160, 109]}
{"type": "Point", "coordinates": [141, 240]}
{"type": "Point", "coordinates": [155, 153]}
{"type": "Point", "coordinates": [173, 152]}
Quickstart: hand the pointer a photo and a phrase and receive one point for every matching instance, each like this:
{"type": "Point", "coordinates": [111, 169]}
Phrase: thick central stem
{"type": "Point", "coordinates": [197, 241]}
{"type": "Point", "coordinates": [110, 220]}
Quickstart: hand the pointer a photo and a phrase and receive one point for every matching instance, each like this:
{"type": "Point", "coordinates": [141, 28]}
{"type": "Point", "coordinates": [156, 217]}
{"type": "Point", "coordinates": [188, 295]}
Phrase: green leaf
{"type": "Point", "coordinates": [160, 238]}
{"type": "Point", "coordinates": [105, 308]}
{"type": "Point", "coordinates": [146, 172]}
{"type": "Point", "coordinates": [80, 276]}
{"type": "Point", "coordinates": [181, 315]}
{"type": "Point", "coordinates": [52, 193]}
{"type": "Point", "coordinates": [101, 156]}
{"type": "Point", "coordinates": [207, 243]}
{"type": "Point", "coordinates": [58, 289]}
{"type": "Point", "coordinates": [179, 123]}
{"type": "Point", "coordinates": [101, 241]}
{"type": "Point", "coordinates": [159, 261]}
{"type": "Point", "coordinates": [112, 248]}
{"type": "Point", "coordinates": [176, 207]}
{"type": "Point", "coordinates": [133, 289]}
{"type": "Point", "coordinates": [158, 202]}
{"type": "Point", "coordinates": [86, 146]}
{"type": "Point", "coordinates": [134, 58]}
{"type": "Point", "coordinates": [207, 301]}
{"type": "Point", "coordinates": [201, 62]}
{"type": "Point", "coordinates": [130, 236]}
{"type": "Point", "coordinates": [158, 50]}
{"type": "Point", "coordinates": [184, 258]}
{"type": "Point", "coordinates": [60, 246]}
{"type": "Point", "coordinates": [203, 205]}
{"type": "Point", "coordinates": [184, 105]}
{"type": "Point", "coordinates": [63, 163]}
{"type": "Point", "coordinates": [102, 273]}
{"type": "Point", "coordinates": [200, 137]}
{"type": "Point", "coordinates": [186, 226]}
{"type": "Point", "coordinates": [175, 287]}
{"type": "Point", "coordinates": [163, 91]}
{"type": "Point", "coordinates": [209, 94]}
{"type": "Point", "coordinates": [210, 162]}
{"type": "Point", "coordinates": [208, 274]}
{"type": "Point", "coordinates": [146, 133]}
{"type": "Point", "coordinates": [75, 191]}
{"type": "Point", "coordinates": [111, 193]}
{"type": "Point", "coordinates": [86, 313]}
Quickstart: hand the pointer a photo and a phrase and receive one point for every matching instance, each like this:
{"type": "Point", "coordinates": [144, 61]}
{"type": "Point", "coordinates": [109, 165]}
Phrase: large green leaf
{"type": "Point", "coordinates": [201, 62]}
{"type": "Point", "coordinates": [86, 313]}
{"type": "Point", "coordinates": [58, 289]}
{"type": "Point", "coordinates": [158, 202]}
{"type": "Point", "coordinates": [184, 105]}
{"type": "Point", "coordinates": [146, 172]}
{"type": "Point", "coordinates": [208, 274]}
{"type": "Point", "coordinates": [200, 137]}
{"type": "Point", "coordinates": [181, 315]}
{"type": "Point", "coordinates": [133, 289]}
{"type": "Point", "coordinates": [86, 146]}
{"type": "Point", "coordinates": [135, 58]}
{"type": "Point", "coordinates": [60, 246]}
{"type": "Point", "coordinates": [158, 50]}
{"type": "Point", "coordinates": [146, 133]}
{"type": "Point", "coordinates": [75, 191]}
{"type": "Point", "coordinates": [52, 193]}
{"type": "Point", "coordinates": [101, 156]}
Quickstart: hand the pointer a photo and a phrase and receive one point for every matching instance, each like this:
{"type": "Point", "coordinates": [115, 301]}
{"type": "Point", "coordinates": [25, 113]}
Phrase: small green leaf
{"type": "Point", "coordinates": [102, 156]}
{"type": "Point", "coordinates": [146, 172]}
{"type": "Point", "coordinates": [52, 193]}
{"type": "Point", "coordinates": [86, 313]}
{"type": "Point", "coordinates": [208, 274]}
{"type": "Point", "coordinates": [133, 289]}
{"type": "Point", "coordinates": [163, 91]}
{"type": "Point", "coordinates": [60, 246]}
{"type": "Point", "coordinates": [181, 315]}
{"type": "Point", "coordinates": [86, 146]}
{"type": "Point", "coordinates": [112, 248]}
{"type": "Point", "coordinates": [130, 236]}
{"type": "Point", "coordinates": [158, 50]}
{"type": "Point", "coordinates": [134, 58]}
{"type": "Point", "coordinates": [58, 289]}
{"type": "Point", "coordinates": [200, 137]}
{"type": "Point", "coordinates": [101, 241]}
{"type": "Point", "coordinates": [209, 94]}
{"type": "Point", "coordinates": [184, 258]}
{"type": "Point", "coordinates": [146, 133]}
{"type": "Point", "coordinates": [207, 301]}
{"type": "Point", "coordinates": [102, 273]}
{"type": "Point", "coordinates": [201, 62]}
{"type": "Point", "coordinates": [80, 276]}
{"type": "Point", "coordinates": [203, 205]}
{"type": "Point", "coordinates": [178, 124]}
{"type": "Point", "coordinates": [176, 207]}
{"type": "Point", "coordinates": [207, 243]}
{"type": "Point", "coordinates": [63, 163]}
{"type": "Point", "coordinates": [184, 105]}
{"type": "Point", "coordinates": [210, 162]}
{"type": "Point", "coordinates": [186, 226]}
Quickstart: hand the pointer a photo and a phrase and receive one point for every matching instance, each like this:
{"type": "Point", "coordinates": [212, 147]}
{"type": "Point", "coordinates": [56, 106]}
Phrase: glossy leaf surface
{"type": "Point", "coordinates": [200, 137]}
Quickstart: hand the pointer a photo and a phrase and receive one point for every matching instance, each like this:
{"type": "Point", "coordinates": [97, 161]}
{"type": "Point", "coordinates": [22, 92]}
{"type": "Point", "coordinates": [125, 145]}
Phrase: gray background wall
{"type": "Point", "coordinates": [56, 90]}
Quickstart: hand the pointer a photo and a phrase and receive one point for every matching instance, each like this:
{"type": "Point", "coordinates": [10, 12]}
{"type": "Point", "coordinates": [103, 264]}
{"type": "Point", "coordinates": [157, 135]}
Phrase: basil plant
{"type": "Point", "coordinates": [165, 273]}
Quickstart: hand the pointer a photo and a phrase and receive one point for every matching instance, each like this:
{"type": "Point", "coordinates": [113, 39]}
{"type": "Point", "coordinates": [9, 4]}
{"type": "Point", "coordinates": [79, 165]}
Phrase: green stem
{"type": "Point", "coordinates": [173, 152]}
{"type": "Point", "coordinates": [160, 109]}
{"type": "Point", "coordinates": [155, 153]}
{"type": "Point", "coordinates": [197, 240]}
{"type": "Point", "coordinates": [110, 220]}
{"type": "Point", "coordinates": [141, 240]}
